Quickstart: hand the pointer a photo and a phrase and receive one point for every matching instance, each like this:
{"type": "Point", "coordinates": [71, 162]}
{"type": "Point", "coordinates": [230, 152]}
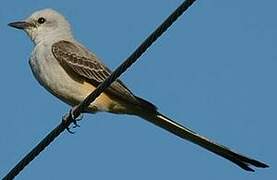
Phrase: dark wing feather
{"type": "Point", "coordinates": [75, 57]}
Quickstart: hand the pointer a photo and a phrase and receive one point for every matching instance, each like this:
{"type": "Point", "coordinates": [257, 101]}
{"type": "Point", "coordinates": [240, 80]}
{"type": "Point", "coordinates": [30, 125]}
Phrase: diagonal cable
{"type": "Point", "coordinates": [76, 111]}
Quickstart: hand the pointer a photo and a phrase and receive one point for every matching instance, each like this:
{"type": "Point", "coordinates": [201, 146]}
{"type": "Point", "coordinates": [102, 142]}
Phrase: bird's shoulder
{"type": "Point", "coordinates": [74, 49]}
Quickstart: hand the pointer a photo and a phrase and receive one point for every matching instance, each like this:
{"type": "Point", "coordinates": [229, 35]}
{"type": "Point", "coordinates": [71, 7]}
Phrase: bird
{"type": "Point", "coordinates": [70, 71]}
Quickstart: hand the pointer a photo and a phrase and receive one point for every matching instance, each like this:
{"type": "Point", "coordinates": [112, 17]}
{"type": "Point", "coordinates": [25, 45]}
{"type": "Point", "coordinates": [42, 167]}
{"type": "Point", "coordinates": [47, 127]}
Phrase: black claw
{"type": "Point", "coordinates": [80, 117]}
{"type": "Point", "coordinates": [75, 124]}
{"type": "Point", "coordinates": [68, 130]}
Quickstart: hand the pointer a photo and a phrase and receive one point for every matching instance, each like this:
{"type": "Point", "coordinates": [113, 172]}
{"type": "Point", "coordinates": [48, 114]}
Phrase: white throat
{"type": "Point", "coordinates": [57, 35]}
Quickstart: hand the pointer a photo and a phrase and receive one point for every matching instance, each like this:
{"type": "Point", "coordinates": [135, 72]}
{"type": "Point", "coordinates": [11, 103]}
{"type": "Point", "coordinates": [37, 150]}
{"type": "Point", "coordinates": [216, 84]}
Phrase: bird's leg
{"type": "Point", "coordinates": [64, 119]}
{"type": "Point", "coordinates": [74, 119]}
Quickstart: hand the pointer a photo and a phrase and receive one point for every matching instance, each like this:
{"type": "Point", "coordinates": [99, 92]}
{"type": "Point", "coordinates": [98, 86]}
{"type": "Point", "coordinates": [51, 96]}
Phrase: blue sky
{"type": "Point", "coordinates": [214, 71]}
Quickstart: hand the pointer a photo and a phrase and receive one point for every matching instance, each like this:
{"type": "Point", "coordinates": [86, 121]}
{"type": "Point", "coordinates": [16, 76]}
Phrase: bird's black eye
{"type": "Point", "coordinates": [41, 20]}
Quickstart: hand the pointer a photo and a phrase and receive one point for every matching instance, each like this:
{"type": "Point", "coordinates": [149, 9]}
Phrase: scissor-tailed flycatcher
{"type": "Point", "coordinates": [70, 72]}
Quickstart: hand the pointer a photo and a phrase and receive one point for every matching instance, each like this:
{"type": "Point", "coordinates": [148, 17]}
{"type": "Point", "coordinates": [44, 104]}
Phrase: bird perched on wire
{"type": "Point", "coordinates": [69, 71]}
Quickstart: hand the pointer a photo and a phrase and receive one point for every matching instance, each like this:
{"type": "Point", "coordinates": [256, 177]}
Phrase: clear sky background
{"type": "Point", "coordinates": [214, 71]}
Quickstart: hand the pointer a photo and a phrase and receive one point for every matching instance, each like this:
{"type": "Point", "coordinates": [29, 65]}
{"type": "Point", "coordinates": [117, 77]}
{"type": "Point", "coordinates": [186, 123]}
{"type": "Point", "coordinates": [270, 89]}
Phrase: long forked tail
{"type": "Point", "coordinates": [185, 133]}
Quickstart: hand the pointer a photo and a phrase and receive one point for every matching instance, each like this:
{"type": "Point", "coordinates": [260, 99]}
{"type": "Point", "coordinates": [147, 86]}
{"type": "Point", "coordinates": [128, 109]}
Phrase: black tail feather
{"type": "Point", "coordinates": [185, 133]}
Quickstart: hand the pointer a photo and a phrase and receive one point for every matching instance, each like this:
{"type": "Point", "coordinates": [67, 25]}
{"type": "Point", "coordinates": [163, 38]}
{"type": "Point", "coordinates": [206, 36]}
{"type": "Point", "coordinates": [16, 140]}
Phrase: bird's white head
{"type": "Point", "coordinates": [46, 24]}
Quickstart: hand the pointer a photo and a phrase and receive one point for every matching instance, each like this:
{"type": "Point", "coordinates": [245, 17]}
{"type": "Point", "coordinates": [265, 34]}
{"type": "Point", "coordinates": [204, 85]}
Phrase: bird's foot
{"type": "Point", "coordinates": [74, 120]}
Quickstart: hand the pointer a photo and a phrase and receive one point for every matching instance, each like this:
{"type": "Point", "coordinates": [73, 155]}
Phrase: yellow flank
{"type": "Point", "coordinates": [104, 102]}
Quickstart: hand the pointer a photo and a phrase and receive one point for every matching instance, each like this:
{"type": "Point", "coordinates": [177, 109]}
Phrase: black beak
{"type": "Point", "coordinates": [20, 24]}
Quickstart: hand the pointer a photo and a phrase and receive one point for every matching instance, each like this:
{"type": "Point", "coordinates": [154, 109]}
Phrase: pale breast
{"type": "Point", "coordinates": [55, 79]}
